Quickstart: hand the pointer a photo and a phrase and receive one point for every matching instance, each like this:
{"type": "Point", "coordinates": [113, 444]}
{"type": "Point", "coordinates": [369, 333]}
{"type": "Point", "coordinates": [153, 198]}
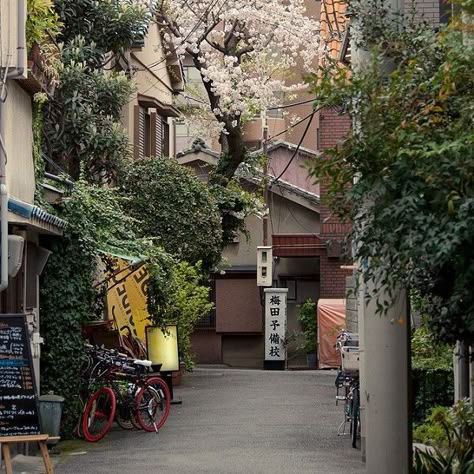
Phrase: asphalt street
{"type": "Point", "coordinates": [233, 421]}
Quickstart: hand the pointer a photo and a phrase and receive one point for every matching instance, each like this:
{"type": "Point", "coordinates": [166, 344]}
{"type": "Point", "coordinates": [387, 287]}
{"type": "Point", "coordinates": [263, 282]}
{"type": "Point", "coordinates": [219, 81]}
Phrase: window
{"type": "Point", "coordinates": [182, 129]}
{"type": "Point", "coordinates": [192, 74]}
{"type": "Point", "coordinates": [151, 134]}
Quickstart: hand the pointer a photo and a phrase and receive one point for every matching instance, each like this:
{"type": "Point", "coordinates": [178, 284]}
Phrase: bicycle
{"type": "Point", "coordinates": [348, 380]}
{"type": "Point", "coordinates": [126, 393]}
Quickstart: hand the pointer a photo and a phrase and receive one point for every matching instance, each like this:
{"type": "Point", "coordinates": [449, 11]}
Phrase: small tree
{"type": "Point", "coordinates": [173, 206]}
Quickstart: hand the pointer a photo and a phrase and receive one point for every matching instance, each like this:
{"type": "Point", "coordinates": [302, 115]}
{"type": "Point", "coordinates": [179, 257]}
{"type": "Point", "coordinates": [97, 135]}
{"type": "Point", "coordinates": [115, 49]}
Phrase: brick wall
{"type": "Point", "coordinates": [333, 127]}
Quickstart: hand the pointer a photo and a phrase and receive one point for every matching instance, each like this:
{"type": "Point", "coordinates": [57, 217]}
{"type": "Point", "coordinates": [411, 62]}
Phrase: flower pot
{"type": "Point", "coordinates": [176, 378]}
{"type": "Point", "coordinates": [311, 360]}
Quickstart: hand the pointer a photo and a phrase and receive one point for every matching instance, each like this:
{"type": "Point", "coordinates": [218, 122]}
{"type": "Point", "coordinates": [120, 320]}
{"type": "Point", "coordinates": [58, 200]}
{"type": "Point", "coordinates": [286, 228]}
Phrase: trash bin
{"type": "Point", "coordinates": [51, 409]}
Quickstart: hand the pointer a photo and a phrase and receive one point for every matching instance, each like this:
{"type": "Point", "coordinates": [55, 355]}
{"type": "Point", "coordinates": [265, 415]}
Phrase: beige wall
{"type": "Point", "coordinates": [19, 143]}
{"type": "Point", "coordinates": [286, 217]}
{"type": "Point", "coordinates": [296, 174]}
{"type": "Point", "coordinates": [153, 81]}
{"type": "Point", "coordinates": [289, 217]}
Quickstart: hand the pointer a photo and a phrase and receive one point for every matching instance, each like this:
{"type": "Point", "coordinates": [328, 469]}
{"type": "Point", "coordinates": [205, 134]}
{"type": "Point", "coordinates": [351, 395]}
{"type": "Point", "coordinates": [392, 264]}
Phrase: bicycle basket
{"type": "Point", "coordinates": [350, 359]}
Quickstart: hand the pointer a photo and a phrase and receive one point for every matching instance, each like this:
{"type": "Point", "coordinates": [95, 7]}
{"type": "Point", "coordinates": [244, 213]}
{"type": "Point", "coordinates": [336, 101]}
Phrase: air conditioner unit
{"type": "Point", "coordinates": [16, 244]}
{"type": "Point", "coordinates": [264, 266]}
{"type": "Point", "coordinates": [12, 35]}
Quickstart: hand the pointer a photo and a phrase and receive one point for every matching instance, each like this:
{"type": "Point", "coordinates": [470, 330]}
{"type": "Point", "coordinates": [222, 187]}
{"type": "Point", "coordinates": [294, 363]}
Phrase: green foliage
{"type": "Point", "coordinates": [82, 120]}
{"type": "Point", "coordinates": [236, 202]}
{"type": "Point", "coordinates": [112, 25]}
{"type": "Point", "coordinates": [42, 22]}
{"type": "Point", "coordinates": [188, 302]}
{"type": "Point", "coordinates": [308, 320]}
{"type": "Point", "coordinates": [432, 431]}
{"type": "Point", "coordinates": [412, 150]}
{"type": "Point", "coordinates": [455, 453]}
{"type": "Point", "coordinates": [427, 353]}
{"type": "Point", "coordinates": [96, 221]}
{"type": "Point", "coordinates": [174, 207]}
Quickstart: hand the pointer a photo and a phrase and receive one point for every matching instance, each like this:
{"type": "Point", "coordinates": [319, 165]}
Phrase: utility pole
{"type": "Point", "coordinates": [265, 177]}
{"type": "Point", "coordinates": [384, 357]}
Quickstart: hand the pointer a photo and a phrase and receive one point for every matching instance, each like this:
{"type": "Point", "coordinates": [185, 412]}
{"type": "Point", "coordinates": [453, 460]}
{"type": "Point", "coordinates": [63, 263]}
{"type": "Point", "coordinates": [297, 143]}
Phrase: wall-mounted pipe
{"type": "Point", "coordinates": [20, 70]}
{"type": "Point", "coordinates": [3, 207]}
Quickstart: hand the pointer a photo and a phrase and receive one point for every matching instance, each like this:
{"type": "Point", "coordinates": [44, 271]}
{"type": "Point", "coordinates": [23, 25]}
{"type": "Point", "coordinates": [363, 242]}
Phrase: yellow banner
{"type": "Point", "coordinates": [126, 300]}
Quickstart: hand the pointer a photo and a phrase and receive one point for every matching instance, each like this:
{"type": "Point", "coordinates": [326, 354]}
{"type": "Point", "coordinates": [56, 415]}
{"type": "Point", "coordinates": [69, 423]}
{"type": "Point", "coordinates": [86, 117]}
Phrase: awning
{"type": "Point", "coordinates": [27, 214]}
{"type": "Point", "coordinates": [165, 110]}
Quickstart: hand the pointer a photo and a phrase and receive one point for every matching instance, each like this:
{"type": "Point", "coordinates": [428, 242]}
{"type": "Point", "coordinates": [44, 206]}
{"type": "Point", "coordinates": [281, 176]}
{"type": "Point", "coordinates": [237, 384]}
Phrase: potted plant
{"type": "Point", "coordinates": [309, 324]}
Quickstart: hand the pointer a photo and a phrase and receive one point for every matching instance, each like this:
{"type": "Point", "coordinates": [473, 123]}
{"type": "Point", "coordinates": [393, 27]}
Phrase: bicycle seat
{"type": "Point", "coordinates": [143, 363]}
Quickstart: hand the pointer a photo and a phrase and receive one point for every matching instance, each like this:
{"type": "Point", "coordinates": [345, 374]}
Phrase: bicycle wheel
{"type": "Point", "coordinates": [355, 421]}
{"type": "Point", "coordinates": [153, 404]}
{"type": "Point", "coordinates": [99, 414]}
{"type": "Point", "coordinates": [125, 409]}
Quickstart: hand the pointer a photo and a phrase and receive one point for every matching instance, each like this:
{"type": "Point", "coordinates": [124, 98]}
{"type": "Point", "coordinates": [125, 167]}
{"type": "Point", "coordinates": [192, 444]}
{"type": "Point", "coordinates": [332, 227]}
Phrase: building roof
{"type": "Point", "coordinates": [199, 151]}
{"type": "Point", "coordinates": [289, 146]}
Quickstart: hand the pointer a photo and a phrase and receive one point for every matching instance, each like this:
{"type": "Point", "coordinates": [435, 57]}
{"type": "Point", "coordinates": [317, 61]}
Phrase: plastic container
{"type": "Point", "coordinates": [51, 409]}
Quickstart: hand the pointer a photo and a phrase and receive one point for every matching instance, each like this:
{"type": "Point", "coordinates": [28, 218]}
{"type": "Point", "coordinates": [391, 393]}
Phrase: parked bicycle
{"type": "Point", "coordinates": [347, 384]}
{"type": "Point", "coordinates": [118, 387]}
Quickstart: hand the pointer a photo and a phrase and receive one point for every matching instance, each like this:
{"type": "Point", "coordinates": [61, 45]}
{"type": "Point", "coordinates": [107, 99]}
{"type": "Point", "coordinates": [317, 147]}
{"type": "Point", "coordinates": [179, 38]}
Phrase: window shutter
{"type": "Point", "coordinates": [159, 136]}
{"type": "Point", "coordinates": [166, 139]}
{"type": "Point", "coordinates": [139, 132]}
{"type": "Point", "coordinates": [153, 149]}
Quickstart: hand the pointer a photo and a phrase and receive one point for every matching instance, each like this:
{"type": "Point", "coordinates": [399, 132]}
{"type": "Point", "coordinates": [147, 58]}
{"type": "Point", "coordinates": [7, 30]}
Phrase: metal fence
{"type": "Point", "coordinates": [431, 387]}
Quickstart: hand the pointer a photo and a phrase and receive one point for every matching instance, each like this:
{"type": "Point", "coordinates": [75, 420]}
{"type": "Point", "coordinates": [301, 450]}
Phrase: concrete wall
{"type": "Point", "coordinates": [19, 143]}
{"type": "Point", "coordinates": [352, 321]}
{"type": "Point", "coordinates": [296, 174]}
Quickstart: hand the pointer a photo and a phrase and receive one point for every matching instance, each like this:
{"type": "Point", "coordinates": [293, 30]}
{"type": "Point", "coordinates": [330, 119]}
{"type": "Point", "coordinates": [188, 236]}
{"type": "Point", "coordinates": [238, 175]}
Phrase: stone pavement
{"type": "Point", "coordinates": [233, 421]}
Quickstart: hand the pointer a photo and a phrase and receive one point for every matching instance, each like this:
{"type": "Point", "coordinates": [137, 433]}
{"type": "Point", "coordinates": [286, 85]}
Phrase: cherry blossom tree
{"type": "Point", "coordinates": [242, 49]}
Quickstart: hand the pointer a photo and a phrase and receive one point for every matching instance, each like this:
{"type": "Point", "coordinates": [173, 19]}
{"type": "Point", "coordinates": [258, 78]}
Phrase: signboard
{"type": "Point", "coordinates": [162, 347]}
{"type": "Point", "coordinates": [18, 395]}
{"type": "Point", "coordinates": [275, 328]}
{"type": "Point", "coordinates": [127, 300]}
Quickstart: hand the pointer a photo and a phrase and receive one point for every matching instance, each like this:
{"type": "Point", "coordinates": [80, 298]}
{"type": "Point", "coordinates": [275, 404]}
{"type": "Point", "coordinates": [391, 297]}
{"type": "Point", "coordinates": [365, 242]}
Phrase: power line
{"type": "Point", "coordinates": [297, 148]}
{"type": "Point", "coordinates": [286, 106]}
{"type": "Point", "coordinates": [195, 27]}
{"type": "Point", "coordinates": [291, 126]}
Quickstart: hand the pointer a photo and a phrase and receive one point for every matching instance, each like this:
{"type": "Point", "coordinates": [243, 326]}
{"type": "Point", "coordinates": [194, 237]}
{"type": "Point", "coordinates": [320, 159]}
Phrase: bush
{"type": "Point", "coordinates": [174, 207]}
{"type": "Point", "coordinates": [307, 318]}
{"type": "Point", "coordinates": [452, 452]}
{"type": "Point", "coordinates": [188, 302]}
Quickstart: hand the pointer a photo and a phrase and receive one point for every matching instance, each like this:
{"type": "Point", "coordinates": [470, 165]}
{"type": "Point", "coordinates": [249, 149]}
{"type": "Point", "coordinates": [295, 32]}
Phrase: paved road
{"type": "Point", "coordinates": [234, 421]}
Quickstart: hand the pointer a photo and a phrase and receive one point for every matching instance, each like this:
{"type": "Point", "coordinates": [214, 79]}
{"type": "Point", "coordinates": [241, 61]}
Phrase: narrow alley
{"type": "Point", "coordinates": [233, 421]}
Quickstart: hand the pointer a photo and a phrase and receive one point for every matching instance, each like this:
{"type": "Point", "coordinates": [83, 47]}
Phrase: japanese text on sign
{"type": "Point", "coordinates": [275, 324]}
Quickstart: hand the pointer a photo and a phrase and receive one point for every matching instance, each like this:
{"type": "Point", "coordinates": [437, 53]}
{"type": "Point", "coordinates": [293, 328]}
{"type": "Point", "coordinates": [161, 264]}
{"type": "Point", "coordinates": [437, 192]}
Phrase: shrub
{"type": "Point", "coordinates": [174, 207]}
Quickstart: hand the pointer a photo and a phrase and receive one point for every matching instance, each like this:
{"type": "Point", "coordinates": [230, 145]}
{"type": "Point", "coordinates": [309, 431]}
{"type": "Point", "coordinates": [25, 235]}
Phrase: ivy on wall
{"type": "Point", "coordinates": [96, 223]}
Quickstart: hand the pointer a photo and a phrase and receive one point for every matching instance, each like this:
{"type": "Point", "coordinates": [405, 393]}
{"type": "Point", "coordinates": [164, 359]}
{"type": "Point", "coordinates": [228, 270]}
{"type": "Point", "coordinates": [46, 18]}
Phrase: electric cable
{"type": "Point", "coordinates": [311, 116]}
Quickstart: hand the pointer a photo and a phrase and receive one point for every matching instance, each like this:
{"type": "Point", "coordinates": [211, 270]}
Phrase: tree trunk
{"type": "Point", "coordinates": [233, 153]}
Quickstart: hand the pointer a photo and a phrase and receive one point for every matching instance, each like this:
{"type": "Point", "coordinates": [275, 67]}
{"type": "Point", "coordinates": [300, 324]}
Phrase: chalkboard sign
{"type": "Point", "coordinates": [18, 395]}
